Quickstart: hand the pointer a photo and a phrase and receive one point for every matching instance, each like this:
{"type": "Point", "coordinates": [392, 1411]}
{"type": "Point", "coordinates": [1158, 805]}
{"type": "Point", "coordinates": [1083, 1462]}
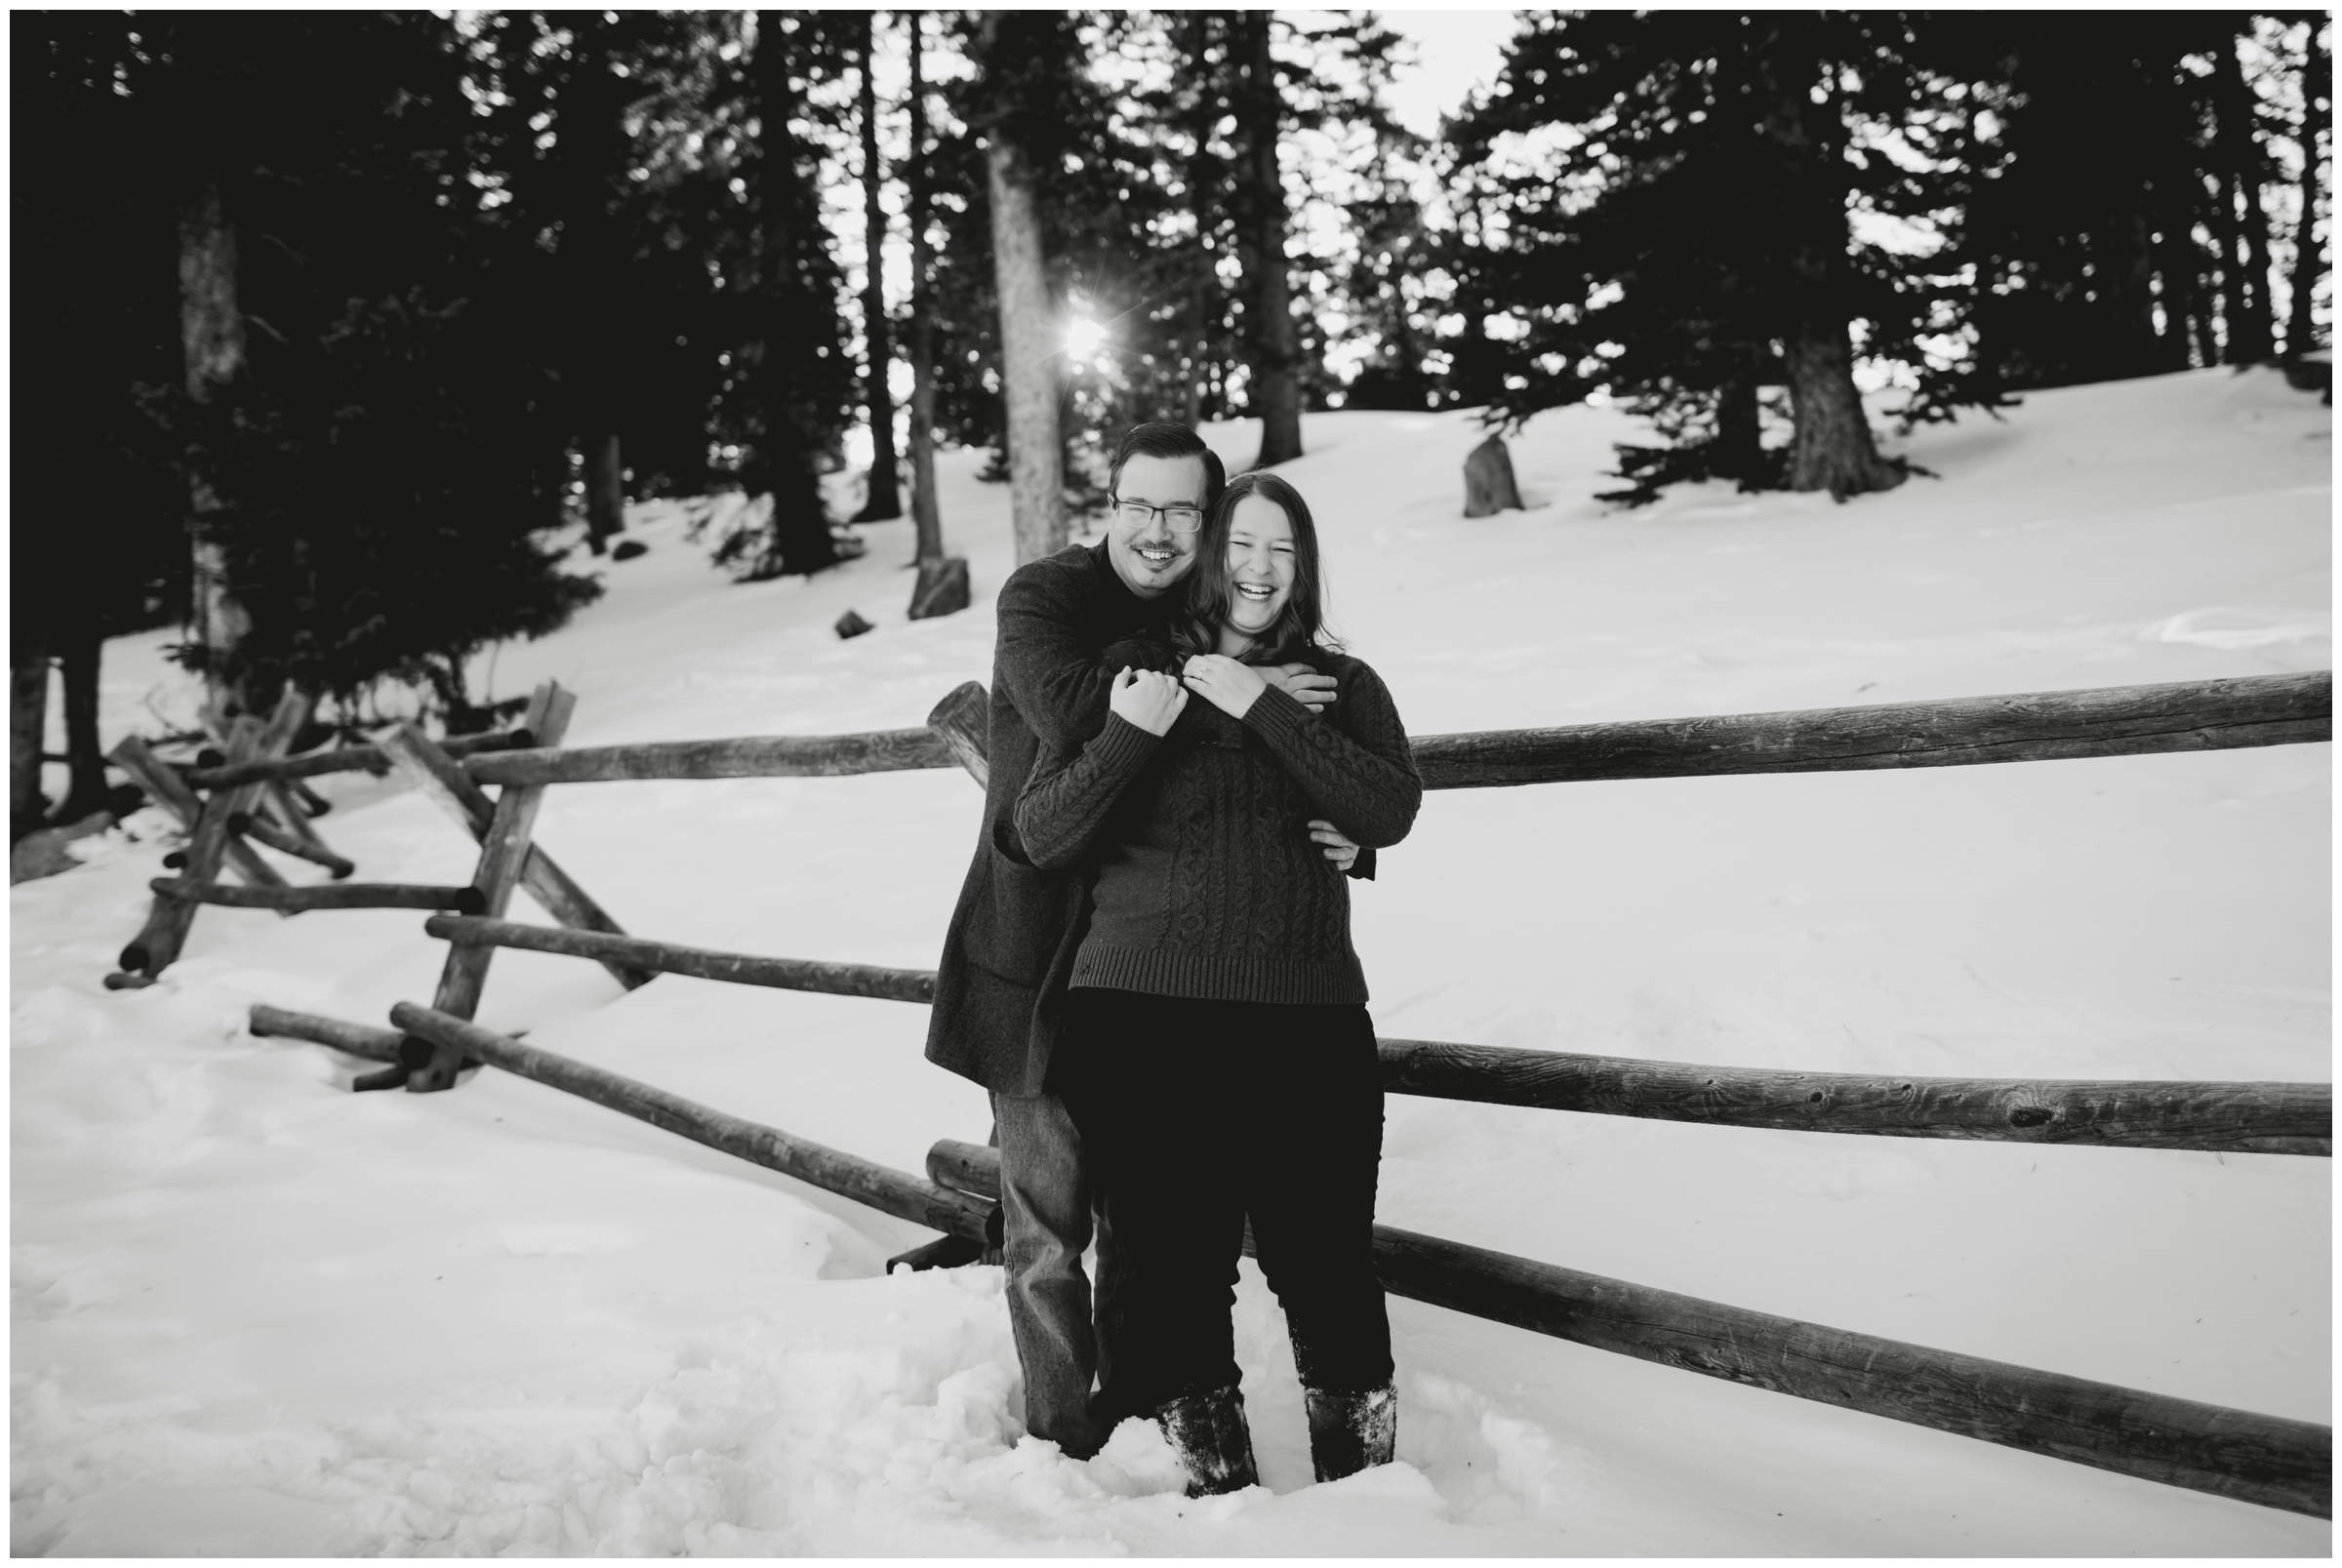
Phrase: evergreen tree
{"type": "Point", "coordinates": [389, 451]}
{"type": "Point", "coordinates": [1686, 240]}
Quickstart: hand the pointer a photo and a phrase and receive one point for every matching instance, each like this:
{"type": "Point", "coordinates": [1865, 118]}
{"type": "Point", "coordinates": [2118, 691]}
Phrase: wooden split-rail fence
{"type": "Point", "coordinates": [2268, 1460]}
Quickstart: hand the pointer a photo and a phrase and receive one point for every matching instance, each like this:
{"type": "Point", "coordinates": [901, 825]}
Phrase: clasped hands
{"type": "Point", "coordinates": [1154, 702]}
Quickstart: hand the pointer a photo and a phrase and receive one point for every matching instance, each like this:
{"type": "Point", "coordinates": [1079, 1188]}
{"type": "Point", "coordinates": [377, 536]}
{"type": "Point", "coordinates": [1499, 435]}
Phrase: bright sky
{"type": "Point", "coordinates": [1455, 51]}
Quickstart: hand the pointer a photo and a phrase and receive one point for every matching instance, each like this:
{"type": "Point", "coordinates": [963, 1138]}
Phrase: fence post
{"type": "Point", "coordinates": [502, 854]}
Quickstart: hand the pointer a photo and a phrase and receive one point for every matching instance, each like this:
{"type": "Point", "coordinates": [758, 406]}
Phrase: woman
{"type": "Point", "coordinates": [1216, 1054]}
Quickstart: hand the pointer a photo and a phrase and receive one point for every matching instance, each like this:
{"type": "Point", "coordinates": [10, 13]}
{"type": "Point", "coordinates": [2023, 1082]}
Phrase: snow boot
{"type": "Point", "coordinates": [1350, 1432]}
{"type": "Point", "coordinates": [1207, 1432]}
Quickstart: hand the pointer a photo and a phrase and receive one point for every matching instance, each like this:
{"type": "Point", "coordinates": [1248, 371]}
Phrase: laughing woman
{"type": "Point", "coordinates": [1216, 1052]}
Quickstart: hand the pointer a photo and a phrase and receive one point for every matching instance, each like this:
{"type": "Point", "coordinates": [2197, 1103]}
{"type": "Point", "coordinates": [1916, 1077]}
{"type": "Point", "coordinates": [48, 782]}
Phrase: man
{"type": "Point", "coordinates": [1015, 931]}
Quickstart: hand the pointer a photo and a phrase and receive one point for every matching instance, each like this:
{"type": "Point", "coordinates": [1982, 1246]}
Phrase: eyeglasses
{"type": "Point", "coordinates": [1180, 519]}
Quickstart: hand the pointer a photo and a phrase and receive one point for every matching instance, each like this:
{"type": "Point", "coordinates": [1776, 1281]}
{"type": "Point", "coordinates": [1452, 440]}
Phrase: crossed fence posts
{"type": "Point", "coordinates": [2273, 1460]}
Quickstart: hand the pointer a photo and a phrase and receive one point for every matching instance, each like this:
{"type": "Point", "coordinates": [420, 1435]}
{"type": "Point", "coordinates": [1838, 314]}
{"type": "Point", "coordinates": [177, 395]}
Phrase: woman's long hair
{"type": "Point", "coordinates": [1299, 630]}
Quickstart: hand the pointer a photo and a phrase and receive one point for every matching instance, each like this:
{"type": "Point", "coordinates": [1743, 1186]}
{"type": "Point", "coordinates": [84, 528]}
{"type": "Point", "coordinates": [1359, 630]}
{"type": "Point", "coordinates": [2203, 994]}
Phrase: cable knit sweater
{"type": "Point", "coordinates": [1205, 881]}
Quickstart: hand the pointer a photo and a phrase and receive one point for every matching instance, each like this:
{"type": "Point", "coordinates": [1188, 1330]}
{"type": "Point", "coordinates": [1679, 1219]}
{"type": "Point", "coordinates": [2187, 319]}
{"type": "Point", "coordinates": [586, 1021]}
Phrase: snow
{"type": "Point", "coordinates": [258, 1314]}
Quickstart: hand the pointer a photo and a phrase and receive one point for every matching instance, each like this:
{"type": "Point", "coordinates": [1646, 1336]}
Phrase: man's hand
{"type": "Point", "coordinates": [1339, 848]}
{"type": "Point", "coordinates": [1302, 684]}
{"type": "Point", "coordinates": [1149, 700]}
{"type": "Point", "coordinates": [1230, 685]}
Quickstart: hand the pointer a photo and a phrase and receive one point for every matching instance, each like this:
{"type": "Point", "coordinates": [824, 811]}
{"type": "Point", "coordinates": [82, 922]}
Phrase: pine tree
{"type": "Point", "coordinates": [1688, 240]}
{"type": "Point", "coordinates": [797, 373]}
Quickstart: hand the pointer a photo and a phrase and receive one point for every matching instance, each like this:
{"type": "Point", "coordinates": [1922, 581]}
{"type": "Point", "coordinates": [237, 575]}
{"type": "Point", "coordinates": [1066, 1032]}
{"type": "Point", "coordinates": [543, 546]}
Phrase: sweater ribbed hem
{"type": "Point", "coordinates": [1218, 978]}
{"type": "Point", "coordinates": [1123, 744]}
{"type": "Point", "coordinates": [1276, 710]}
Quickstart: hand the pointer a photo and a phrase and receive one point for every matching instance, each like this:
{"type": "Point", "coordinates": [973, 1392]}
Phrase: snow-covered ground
{"type": "Point", "coordinates": [256, 1313]}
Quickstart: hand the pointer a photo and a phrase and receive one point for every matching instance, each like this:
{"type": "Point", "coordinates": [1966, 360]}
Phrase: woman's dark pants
{"type": "Point", "coordinates": [1194, 1114]}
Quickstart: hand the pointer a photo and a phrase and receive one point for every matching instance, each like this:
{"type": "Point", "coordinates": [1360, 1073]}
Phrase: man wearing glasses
{"type": "Point", "coordinates": [1014, 933]}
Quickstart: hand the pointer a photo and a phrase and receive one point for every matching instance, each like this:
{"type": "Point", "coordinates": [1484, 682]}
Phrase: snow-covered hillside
{"type": "Point", "coordinates": [255, 1313]}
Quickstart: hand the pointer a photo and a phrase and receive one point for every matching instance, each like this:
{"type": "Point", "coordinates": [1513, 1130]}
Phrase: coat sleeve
{"type": "Point", "coordinates": [1359, 772]}
{"type": "Point", "coordinates": [1057, 683]}
{"type": "Point", "coordinates": [1065, 802]}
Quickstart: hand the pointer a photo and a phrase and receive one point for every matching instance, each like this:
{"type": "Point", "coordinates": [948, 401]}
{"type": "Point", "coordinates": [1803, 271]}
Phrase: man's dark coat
{"type": "Point", "coordinates": [1017, 926]}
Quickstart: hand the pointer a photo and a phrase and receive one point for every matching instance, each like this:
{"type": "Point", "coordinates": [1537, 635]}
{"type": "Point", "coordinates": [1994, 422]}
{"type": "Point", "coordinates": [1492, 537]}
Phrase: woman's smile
{"type": "Point", "coordinates": [1259, 564]}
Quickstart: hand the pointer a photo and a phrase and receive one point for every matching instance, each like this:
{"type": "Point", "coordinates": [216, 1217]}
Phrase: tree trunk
{"type": "Point", "coordinates": [1203, 184]}
{"type": "Point", "coordinates": [2251, 327]}
{"type": "Point", "coordinates": [1739, 433]}
{"type": "Point", "coordinates": [2316, 118]}
{"type": "Point", "coordinates": [211, 331]}
{"type": "Point", "coordinates": [1832, 449]}
{"type": "Point", "coordinates": [78, 653]}
{"type": "Point", "coordinates": [605, 491]}
{"type": "Point", "coordinates": [28, 723]}
{"type": "Point", "coordinates": [799, 540]}
{"type": "Point", "coordinates": [1274, 349]}
{"type": "Point", "coordinates": [1030, 358]}
{"type": "Point", "coordinates": [885, 500]}
{"type": "Point", "coordinates": [925, 516]}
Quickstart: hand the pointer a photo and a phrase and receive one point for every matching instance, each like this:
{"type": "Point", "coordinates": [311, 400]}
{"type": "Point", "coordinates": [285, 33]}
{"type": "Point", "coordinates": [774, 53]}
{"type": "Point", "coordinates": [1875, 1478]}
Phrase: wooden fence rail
{"type": "Point", "coordinates": [2111, 721]}
{"type": "Point", "coordinates": [2270, 1460]}
{"type": "Point", "coordinates": [2243, 1117]}
{"type": "Point", "coordinates": [326, 896]}
{"type": "Point", "coordinates": [890, 1192]}
{"type": "Point", "coordinates": [344, 759]}
{"type": "Point", "coordinates": [672, 958]}
{"type": "Point", "coordinates": [2258, 1118]}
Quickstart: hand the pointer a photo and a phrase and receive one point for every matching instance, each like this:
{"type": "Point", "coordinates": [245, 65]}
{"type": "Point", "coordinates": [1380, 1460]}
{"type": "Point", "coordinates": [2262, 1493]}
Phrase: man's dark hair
{"type": "Point", "coordinates": [1163, 439]}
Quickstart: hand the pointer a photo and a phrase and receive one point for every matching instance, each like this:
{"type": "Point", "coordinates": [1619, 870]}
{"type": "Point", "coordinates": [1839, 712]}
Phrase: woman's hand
{"type": "Point", "coordinates": [1230, 685]}
{"type": "Point", "coordinates": [1340, 848]}
{"type": "Point", "coordinates": [1149, 700]}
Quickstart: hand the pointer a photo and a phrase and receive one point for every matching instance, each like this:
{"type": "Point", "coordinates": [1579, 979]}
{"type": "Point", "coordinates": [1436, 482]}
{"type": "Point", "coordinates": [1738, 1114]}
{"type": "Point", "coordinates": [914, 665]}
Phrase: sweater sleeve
{"type": "Point", "coordinates": [1364, 780]}
{"type": "Point", "coordinates": [1064, 805]}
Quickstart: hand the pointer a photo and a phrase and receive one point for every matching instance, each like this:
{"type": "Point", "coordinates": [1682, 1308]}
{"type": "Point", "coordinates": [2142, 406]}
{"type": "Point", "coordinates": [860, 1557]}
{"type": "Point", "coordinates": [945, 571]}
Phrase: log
{"type": "Point", "coordinates": [503, 852]}
{"type": "Point", "coordinates": [127, 983]}
{"type": "Point", "coordinates": [345, 759]}
{"type": "Point", "coordinates": [965, 1167]}
{"type": "Point", "coordinates": [777, 756]}
{"type": "Point", "coordinates": [158, 942]}
{"type": "Point", "coordinates": [285, 843]}
{"type": "Point", "coordinates": [963, 721]}
{"type": "Point", "coordinates": [358, 1039]}
{"type": "Point", "coordinates": [326, 896]}
{"type": "Point", "coordinates": [2111, 722]}
{"type": "Point", "coordinates": [944, 1252]}
{"type": "Point", "coordinates": [673, 958]}
{"type": "Point", "coordinates": [293, 814]}
{"type": "Point", "coordinates": [309, 800]}
{"type": "Point", "coordinates": [448, 788]}
{"type": "Point", "coordinates": [2256, 1118]}
{"type": "Point", "coordinates": [851, 625]}
{"type": "Point", "coordinates": [164, 786]}
{"type": "Point", "coordinates": [865, 1182]}
{"type": "Point", "coordinates": [2269, 1459]}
